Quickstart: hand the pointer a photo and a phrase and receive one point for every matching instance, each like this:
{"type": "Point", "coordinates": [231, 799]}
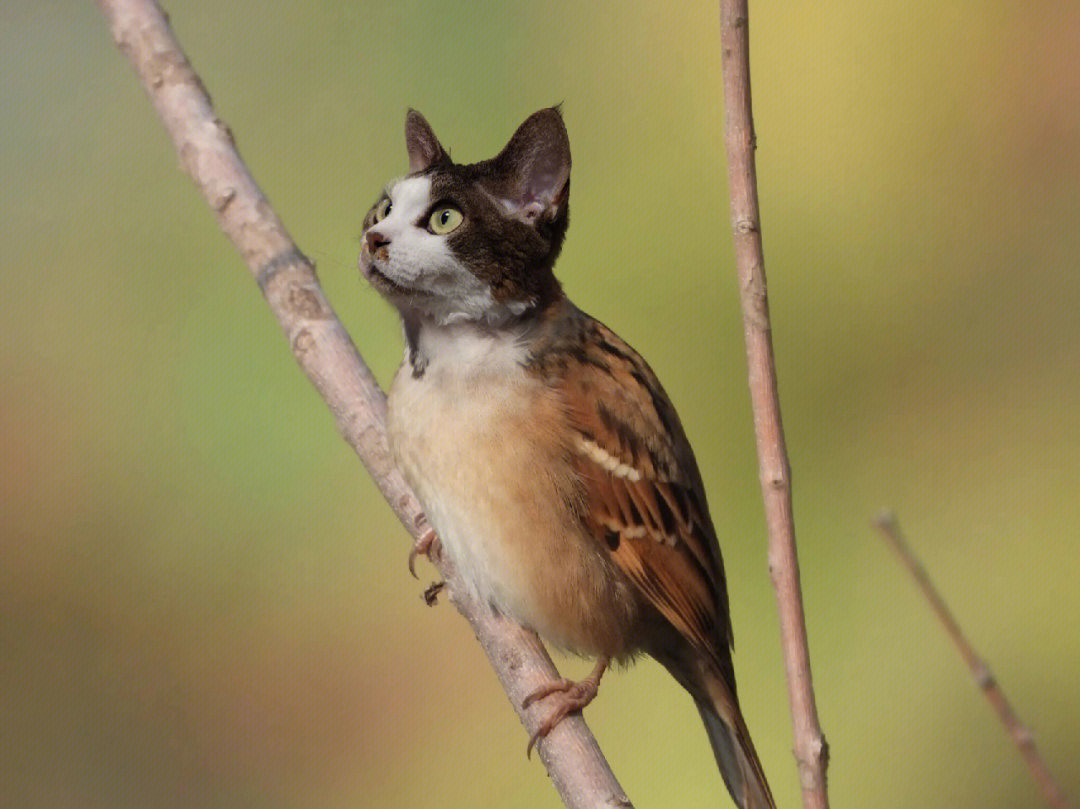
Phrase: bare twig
{"type": "Point", "coordinates": [811, 751]}
{"type": "Point", "coordinates": [326, 354]}
{"type": "Point", "coordinates": [889, 527]}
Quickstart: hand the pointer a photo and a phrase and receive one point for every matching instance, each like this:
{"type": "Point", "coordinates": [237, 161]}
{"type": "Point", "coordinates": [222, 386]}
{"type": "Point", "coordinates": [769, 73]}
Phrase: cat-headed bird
{"type": "Point", "coordinates": [546, 455]}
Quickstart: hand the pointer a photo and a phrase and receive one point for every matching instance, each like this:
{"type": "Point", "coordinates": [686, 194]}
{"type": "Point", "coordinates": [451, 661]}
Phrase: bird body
{"type": "Point", "coordinates": [482, 440]}
{"type": "Point", "coordinates": [544, 450]}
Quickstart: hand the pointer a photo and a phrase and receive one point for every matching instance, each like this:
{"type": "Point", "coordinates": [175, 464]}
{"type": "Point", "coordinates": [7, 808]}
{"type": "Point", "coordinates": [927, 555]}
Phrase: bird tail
{"type": "Point", "coordinates": [734, 751]}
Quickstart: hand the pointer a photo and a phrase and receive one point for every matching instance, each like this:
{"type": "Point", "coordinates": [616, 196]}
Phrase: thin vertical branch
{"type": "Point", "coordinates": [325, 353]}
{"type": "Point", "coordinates": [889, 527]}
{"type": "Point", "coordinates": [811, 751]}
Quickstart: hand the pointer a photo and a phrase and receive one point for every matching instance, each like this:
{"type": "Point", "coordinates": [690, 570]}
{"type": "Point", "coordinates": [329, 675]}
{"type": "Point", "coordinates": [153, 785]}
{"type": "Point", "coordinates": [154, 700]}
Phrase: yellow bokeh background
{"type": "Point", "coordinates": [203, 599]}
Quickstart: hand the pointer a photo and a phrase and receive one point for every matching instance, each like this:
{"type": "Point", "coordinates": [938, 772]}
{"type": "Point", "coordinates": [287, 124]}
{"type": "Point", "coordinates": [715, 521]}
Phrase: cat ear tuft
{"type": "Point", "coordinates": [420, 141]}
{"type": "Point", "coordinates": [532, 173]}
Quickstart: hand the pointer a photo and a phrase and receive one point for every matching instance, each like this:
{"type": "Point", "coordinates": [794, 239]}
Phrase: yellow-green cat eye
{"type": "Point", "coordinates": [444, 219]}
{"type": "Point", "coordinates": [382, 210]}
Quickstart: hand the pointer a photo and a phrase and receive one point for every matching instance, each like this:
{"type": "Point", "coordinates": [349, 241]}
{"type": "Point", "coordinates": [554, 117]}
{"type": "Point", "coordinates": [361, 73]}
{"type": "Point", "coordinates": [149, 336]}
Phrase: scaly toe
{"type": "Point", "coordinates": [547, 690]}
{"type": "Point", "coordinates": [571, 697]}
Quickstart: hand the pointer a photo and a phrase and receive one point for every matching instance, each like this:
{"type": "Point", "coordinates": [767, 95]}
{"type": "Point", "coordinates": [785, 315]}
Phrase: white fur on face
{"type": "Point", "coordinates": [419, 260]}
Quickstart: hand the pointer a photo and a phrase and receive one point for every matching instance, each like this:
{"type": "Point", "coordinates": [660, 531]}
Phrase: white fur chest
{"type": "Point", "coordinates": [485, 445]}
{"type": "Point", "coordinates": [460, 433]}
{"type": "Point", "coordinates": [471, 383]}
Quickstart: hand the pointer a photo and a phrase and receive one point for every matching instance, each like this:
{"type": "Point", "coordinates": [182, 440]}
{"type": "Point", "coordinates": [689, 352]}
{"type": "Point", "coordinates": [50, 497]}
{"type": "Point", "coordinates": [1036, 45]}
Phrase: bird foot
{"type": "Point", "coordinates": [569, 697]}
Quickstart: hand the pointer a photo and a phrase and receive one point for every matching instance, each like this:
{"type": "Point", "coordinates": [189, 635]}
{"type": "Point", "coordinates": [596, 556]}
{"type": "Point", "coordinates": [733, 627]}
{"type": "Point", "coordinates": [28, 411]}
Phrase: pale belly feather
{"type": "Point", "coordinates": [483, 454]}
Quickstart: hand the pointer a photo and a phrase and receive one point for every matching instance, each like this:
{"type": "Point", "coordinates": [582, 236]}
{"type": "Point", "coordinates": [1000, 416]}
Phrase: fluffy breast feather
{"type": "Point", "coordinates": [486, 448]}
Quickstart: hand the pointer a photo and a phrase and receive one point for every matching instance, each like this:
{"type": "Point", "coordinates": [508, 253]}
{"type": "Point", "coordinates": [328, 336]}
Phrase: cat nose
{"type": "Point", "coordinates": [375, 240]}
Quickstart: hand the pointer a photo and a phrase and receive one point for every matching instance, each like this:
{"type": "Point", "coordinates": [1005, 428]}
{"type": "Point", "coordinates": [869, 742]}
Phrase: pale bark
{"type": "Point", "coordinates": [811, 751]}
{"type": "Point", "coordinates": [980, 671]}
{"type": "Point", "coordinates": [327, 355]}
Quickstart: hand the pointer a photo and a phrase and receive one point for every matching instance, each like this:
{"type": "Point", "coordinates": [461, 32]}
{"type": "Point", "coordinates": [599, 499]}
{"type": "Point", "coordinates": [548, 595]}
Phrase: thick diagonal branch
{"type": "Point", "coordinates": [811, 751]}
{"type": "Point", "coordinates": [327, 355]}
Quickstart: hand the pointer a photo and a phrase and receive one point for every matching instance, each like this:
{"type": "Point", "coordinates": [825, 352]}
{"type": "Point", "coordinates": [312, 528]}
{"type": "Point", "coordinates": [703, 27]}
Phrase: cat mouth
{"type": "Point", "coordinates": [378, 279]}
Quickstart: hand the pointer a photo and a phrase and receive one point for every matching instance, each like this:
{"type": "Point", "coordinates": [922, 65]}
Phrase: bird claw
{"type": "Point", "coordinates": [427, 545]}
{"type": "Point", "coordinates": [572, 697]}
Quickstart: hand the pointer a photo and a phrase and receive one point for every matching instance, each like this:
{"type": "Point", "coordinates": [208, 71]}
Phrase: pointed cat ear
{"type": "Point", "coordinates": [424, 148]}
{"type": "Point", "coordinates": [532, 173]}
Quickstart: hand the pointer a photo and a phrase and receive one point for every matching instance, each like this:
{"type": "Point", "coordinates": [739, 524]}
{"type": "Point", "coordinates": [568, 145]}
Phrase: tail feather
{"type": "Point", "coordinates": [736, 757]}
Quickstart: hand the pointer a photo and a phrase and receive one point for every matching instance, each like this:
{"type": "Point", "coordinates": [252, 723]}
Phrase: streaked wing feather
{"type": "Point", "coordinates": [646, 503]}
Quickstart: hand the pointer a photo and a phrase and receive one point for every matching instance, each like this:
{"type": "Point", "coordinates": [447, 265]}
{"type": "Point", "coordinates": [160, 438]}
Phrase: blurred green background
{"type": "Point", "coordinates": [203, 600]}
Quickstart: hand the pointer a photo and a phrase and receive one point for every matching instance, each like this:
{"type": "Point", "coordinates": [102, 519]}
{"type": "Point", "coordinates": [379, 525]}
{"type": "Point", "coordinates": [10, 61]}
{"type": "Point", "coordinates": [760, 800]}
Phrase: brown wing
{"type": "Point", "coordinates": [646, 502]}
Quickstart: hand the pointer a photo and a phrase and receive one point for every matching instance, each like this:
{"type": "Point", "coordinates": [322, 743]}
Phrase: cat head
{"type": "Point", "coordinates": [456, 242]}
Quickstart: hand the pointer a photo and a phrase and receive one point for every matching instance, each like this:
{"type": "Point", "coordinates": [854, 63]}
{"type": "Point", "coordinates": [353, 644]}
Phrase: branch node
{"type": "Point", "coordinates": [306, 302]}
{"type": "Point", "coordinates": [302, 343]}
{"type": "Point", "coordinates": [746, 225]}
{"type": "Point", "coordinates": [984, 678]}
{"type": "Point", "coordinates": [224, 200]}
{"type": "Point", "coordinates": [1024, 737]}
{"type": "Point", "coordinates": [280, 261]}
{"type": "Point", "coordinates": [226, 131]}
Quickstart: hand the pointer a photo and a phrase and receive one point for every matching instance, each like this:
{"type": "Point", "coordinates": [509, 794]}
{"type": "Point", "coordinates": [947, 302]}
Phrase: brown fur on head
{"type": "Point", "coordinates": [497, 261]}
